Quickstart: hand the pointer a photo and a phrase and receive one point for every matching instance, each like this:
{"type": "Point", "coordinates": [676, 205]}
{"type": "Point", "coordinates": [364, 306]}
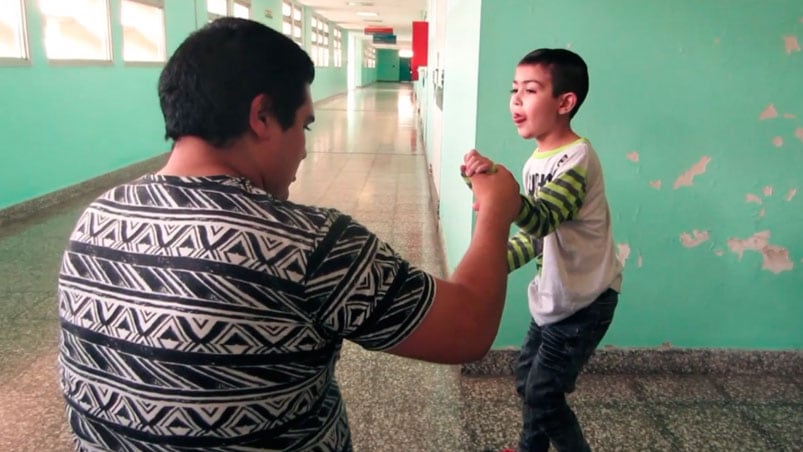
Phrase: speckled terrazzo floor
{"type": "Point", "coordinates": [365, 159]}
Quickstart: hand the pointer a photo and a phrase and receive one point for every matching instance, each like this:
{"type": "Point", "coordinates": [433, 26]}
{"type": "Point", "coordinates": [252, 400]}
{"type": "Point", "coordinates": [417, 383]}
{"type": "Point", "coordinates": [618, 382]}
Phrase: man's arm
{"type": "Point", "coordinates": [463, 320]}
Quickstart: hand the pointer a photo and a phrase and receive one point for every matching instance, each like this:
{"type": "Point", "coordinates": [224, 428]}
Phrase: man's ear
{"type": "Point", "coordinates": [567, 103]}
{"type": "Point", "coordinates": [259, 119]}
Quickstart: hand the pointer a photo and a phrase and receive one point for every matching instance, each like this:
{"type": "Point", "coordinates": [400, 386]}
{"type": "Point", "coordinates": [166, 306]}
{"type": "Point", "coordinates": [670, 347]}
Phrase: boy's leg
{"type": "Point", "coordinates": [531, 438]}
{"type": "Point", "coordinates": [565, 347]}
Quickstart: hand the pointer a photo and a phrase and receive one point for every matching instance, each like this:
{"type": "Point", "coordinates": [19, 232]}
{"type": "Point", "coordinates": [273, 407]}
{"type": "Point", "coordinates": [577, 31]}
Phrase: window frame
{"type": "Point", "coordinates": [81, 61]}
{"type": "Point", "coordinates": [337, 47]}
{"type": "Point", "coordinates": [244, 3]}
{"type": "Point", "coordinates": [25, 60]}
{"type": "Point", "coordinates": [295, 24]}
{"type": "Point", "coordinates": [157, 4]}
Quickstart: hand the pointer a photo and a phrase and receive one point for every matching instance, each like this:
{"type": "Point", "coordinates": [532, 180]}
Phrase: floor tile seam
{"type": "Point", "coordinates": [744, 414]}
{"type": "Point", "coordinates": [685, 404]}
{"type": "Point", "coordinates": [656, 419]}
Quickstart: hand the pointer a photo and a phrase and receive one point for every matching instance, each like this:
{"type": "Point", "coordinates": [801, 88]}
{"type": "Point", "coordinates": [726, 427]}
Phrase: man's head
{"type": "Point", "coordinates": [548, 88]}
{"type": "Point", "coordinates": [208, 84]}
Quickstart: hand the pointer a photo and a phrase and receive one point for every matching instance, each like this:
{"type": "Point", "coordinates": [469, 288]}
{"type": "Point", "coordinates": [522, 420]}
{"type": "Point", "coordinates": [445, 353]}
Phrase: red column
{"type": "Point", "coordinates": [420, 46]}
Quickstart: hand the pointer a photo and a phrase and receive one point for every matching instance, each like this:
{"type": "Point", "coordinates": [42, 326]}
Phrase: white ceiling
{"type": "Point", "coordinates": [398, 14]}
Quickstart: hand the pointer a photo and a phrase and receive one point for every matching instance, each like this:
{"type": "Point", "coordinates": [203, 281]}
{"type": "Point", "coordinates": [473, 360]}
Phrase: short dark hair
{"type": "Point", "coordinates": [568, 70]}
{"type": "Point", "coordinates": [207, 85]}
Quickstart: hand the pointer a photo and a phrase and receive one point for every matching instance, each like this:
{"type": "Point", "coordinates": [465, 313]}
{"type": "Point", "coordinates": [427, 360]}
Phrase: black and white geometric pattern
{"type": "Point", "coordinates": [202, 313]}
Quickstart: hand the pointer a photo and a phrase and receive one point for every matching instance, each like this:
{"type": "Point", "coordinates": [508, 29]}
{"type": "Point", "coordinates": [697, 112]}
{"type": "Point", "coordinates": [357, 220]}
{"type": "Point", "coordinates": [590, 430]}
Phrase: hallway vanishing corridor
{"type": "Point", "coordinates": [365, 157]}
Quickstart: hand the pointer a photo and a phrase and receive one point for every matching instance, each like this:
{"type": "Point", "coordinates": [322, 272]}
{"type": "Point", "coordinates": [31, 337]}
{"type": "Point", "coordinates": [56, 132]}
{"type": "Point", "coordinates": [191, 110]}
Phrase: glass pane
{"type": "Point", "coordinates": [76, 30]}
{"type": "Point", "coordinates": [296, 13]}
{"type": "Point", "coordinates": [216, 7]}
{"type": "Point", "coordinates": [12, 30]}
{"type": "Point", "coordinates": [143, 32]}
{"type": "Point", "coordinates": [296, 32]}
{"type": "Point", "coordinates": [314, 22]}
{"type": "Point", "coordinates": [287, 29]}
{"type": "Point", "coordinates": [242, 11]}
{"type": "Point", "coordinates": [287, 10]}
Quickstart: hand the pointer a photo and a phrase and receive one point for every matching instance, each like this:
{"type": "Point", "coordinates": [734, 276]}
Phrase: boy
{"type": "Point", "coordinates": [565, 223]}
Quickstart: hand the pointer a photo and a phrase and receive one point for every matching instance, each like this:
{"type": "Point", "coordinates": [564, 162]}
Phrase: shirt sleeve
{"type": "Point", "coordinates": [557, 201]}
{"type": "Point", "coordinates": [364, 290]}
{"type": "Point", "coordinates": [521, 249]}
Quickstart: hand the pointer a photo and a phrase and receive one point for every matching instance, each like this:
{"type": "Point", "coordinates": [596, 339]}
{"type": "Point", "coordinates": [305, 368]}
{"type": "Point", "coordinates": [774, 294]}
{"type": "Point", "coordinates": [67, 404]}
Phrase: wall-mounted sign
{"type": "Point", "coordinates": [378, 30]}
{"type": "Point", "coordinates": [384, 39]}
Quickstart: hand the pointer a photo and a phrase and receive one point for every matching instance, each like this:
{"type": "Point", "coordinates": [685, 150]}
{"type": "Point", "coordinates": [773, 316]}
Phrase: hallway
{"type": "Point", "coordinates": [365, 157]}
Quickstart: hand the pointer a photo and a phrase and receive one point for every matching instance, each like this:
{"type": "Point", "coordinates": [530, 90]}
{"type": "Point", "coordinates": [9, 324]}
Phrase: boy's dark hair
{"type": "Point", "coordinates": [568, 70]}
{"type": "Point", "coordinates": [207, 85]}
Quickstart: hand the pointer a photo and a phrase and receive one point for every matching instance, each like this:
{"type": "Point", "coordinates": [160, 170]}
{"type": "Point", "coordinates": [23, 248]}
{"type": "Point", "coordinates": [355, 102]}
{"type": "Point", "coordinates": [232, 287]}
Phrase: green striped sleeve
{"type": "Point", "coordinates": [558, 201]}
{"type": "Point", "coordinates": [520, 250]}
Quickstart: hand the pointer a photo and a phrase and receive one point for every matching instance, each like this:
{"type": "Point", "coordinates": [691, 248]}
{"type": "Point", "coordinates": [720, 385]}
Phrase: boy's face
{"type": "Point", "coordinates": [535, 110]}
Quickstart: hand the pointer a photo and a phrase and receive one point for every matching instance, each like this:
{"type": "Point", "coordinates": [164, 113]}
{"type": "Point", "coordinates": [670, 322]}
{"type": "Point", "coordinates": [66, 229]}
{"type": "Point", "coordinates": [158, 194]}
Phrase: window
{"type": "Point", "coordinates": [369, 57]}
{"type": "Point", "coordinates": [76, 30]}
{"type": "Point", "coordinates": [292, 21]}
{"type": "Point", "coordinates": [13, 43]}
{"type": "Point", "coordinates": [143, 30]}
{"type": "Point", "coordinates": [242, 9]}
{"type": "Point", "coordinates": [320, 41]}
{"type": "Point", "coordinates": [337, 44]}
{"type": "Point", "coordinates": [216, 9]}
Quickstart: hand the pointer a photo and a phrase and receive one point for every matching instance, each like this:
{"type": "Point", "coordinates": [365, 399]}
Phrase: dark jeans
{"type": "Point", "coordinates": [550, 360]}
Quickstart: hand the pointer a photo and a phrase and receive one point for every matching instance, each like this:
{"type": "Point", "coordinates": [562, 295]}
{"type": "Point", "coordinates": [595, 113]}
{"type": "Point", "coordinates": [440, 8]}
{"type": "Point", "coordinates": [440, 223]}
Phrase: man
{"type": "Point", "coordinates": [201, 309]}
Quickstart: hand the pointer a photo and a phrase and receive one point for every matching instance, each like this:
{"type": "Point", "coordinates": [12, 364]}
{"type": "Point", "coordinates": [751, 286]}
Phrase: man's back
{"type": "Point", "coordinates": [201, 312]}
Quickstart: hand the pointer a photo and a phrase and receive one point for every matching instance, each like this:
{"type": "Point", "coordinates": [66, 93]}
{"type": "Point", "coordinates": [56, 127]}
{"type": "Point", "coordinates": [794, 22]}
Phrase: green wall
{"type": "Point", "coordinates": [52, 138]}
{"type": "Point", "coordinates": [675, 82]}
{"type": "Point", "coordinates": [387, 65]}
{"type": "Point", "coordinates": [461, 55]}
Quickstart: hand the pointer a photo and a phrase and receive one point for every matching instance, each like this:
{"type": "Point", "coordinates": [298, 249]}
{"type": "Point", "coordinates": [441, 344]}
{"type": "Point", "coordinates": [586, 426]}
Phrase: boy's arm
{"type": "Point", "coordinates": [558, 200]}
{"type": "Point", "coordinates": [520, 250]}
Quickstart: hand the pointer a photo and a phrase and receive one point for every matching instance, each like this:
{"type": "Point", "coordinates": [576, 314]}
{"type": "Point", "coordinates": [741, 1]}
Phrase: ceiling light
{"type": "Point", "coordinates": [360, 3]}
{"type": "Point", "coordinates": [367, 14]}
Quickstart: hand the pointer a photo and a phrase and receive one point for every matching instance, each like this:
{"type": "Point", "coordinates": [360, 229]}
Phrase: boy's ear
{"type": "Point", "coordinates": [258, 117]}
{"type": "Point", "coordinates": [567, 103]}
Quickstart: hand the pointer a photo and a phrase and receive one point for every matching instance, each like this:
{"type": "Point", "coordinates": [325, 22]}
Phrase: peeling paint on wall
{"type": "Point", "coordinates": [768, 190]}
{"type": "Point", "coordinates": [762, 212]}
{"type": "Point", "coordinates": [768, 113]}
{"type": "Point", "coordinates": [789, 116]}
{"type": "Point", "coordinates": [775, 258]}
{"type": "Point", "coordinates": [623, 253]}
{"type": "Point", "coordinates": [656, 184]}
{"type": "Point", "coordinates": [633, 157]}
{"type": "Point", "coordinates": [695, 238]}
{"type": "Point", "coordinates": [752, 198]}
{"type": "Point", "coordinates": [719, 252]}
{"type": "Point", "coordinates": [790, 44]}
{"type": "Point", "coordinates": [640, 262]}
{"type": "Point", "coordinates": [687, 178]}
{"type": "Point", "coordinates": [799, 133]}
{"type": "Point", "coordinates": [791, 194]}
{"type": "Point", "coordinates": [777, 142]}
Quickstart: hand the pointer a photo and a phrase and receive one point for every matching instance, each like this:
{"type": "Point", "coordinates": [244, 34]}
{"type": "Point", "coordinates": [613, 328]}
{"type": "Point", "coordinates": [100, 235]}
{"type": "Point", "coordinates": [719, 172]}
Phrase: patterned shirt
{"type": "Point", "coordinates": [203, 313]}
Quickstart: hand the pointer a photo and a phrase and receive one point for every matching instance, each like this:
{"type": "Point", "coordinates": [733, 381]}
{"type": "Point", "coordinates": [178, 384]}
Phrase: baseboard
{"type": "Point", "coordinates": [29, 208]}
{"type": "Point", "coordinates": [612, 360]}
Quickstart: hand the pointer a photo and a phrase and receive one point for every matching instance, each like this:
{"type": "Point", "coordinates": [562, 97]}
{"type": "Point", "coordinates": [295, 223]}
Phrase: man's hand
{"type": "Point", "coordinates": [497, 193]}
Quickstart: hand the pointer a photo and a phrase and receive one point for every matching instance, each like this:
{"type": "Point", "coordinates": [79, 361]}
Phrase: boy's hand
{"type": "Point", "coordinates": [475, 163]}
{"type": "Point", "coordinates": [497, 193]}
